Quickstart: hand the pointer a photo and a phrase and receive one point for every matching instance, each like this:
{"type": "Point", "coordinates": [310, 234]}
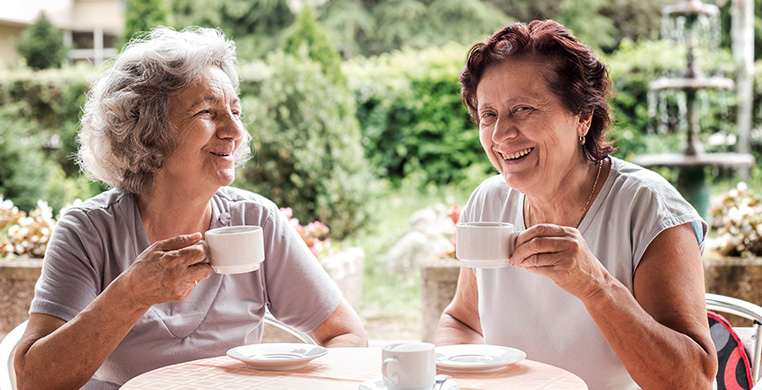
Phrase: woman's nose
{"type": "Point", "coordinates": [503, 130]}
{"type": "Point", "coordinates": [229, 126]}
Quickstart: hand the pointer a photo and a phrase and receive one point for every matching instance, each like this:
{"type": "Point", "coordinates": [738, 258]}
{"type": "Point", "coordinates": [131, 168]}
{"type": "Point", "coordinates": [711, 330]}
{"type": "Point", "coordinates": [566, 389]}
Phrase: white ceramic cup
{"type": "Point", "coordinates": [485, 244]}
{"type": "Point", "coordinates": [234, 249]}
{"type": "Point", "coordinates": [408, 366]}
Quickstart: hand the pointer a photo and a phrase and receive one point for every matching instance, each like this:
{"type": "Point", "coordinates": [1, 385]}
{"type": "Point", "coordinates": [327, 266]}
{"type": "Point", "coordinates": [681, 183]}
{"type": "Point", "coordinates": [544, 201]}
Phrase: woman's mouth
{"type": "Point", "coordinates": [516, 155]}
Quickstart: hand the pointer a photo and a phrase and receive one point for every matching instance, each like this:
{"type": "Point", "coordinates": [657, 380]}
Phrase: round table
{"type": "Point", "coordinates": [341, 368]}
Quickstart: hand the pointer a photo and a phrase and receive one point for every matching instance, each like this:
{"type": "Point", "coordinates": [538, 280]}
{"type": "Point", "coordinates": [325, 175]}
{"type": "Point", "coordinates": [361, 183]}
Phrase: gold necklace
{"type": "Point", "coordinates": [587, 204]}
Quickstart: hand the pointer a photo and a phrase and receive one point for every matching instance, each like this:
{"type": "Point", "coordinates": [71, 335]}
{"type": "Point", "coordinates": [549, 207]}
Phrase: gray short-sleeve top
{"type": "Point", "coordinates": [96, 241]}
{"type": "Point", "coordinates": [527, 311]}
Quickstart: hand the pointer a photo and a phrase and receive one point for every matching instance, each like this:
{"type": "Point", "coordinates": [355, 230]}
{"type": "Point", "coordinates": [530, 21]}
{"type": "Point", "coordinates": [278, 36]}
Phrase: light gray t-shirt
{"type": "Point", "coordinates": [523, 310]}
{"type": "Point", "coordinates": [94, 242]}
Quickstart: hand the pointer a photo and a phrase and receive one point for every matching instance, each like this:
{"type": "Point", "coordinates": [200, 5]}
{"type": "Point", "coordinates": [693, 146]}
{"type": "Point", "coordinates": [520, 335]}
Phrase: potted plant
{"type": "Point", "coordinates": [733, 254]}
{"type": "Point", "coordinates": [23, 240]}
{"type": "Point", "coordinates": [345, 266]}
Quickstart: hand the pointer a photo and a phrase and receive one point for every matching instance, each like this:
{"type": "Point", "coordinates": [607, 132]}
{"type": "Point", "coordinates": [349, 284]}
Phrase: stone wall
{"type": "Point", "coordinates": [439, 278]}
{"type": "Point", "coordinates": [17, 279]}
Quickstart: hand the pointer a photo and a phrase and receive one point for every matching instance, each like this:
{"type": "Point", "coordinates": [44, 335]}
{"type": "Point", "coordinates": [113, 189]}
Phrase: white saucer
{"type": "Point", "coordinates": [276, 356]}
{"type": "Point", "coordinates": [378, 384]}
{"type": "Point", "coordinates": [476, 357]}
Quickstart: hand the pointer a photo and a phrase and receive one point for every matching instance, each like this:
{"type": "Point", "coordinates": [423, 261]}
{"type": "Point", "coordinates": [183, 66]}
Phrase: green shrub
{"type": "Point", "coordinates": [412, 117]}
{"type": "Point", "coordinates": [143, 15]}
{"type": "Point", "coordinates": [52, 100]}
{"type": "Point", "coordinates": [42, 45]}
{"type": "Point", "coordinates": [39, 113]}
{"type": "Point", "coordinates": [307, 152]}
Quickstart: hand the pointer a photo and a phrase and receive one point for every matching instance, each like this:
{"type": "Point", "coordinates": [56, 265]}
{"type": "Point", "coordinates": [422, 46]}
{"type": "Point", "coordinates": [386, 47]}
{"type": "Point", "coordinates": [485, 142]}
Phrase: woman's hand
{"type": "Point", "coordinates": [167, 270]}
{"type": "Point", "coordinates": [561, 254]}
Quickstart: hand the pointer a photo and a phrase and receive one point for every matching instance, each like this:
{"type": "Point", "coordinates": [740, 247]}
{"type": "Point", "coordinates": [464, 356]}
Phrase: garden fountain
{"type": "Point", "coordinates": [690, 21]}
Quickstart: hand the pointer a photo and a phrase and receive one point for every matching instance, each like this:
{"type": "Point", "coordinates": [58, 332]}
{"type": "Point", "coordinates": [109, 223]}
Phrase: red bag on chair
{"type": "Point", "coordinates": [734, 370]}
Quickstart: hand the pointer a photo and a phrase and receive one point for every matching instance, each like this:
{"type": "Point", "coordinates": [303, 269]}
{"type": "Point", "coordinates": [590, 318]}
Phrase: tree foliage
{"type": "Point", "coordinates": [256, 26]}
{"type": "Point", "coordinates": [143, 15]}
{"type": "Point", "coordinates": [307, 38]}
{"type": "Point", "coordinates": [42, 45]}
{"type": "Point", "coordinates": [307, 150]}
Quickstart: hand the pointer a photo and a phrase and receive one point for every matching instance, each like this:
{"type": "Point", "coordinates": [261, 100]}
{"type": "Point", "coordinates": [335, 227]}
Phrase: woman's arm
{"type": "Point", "coordinates": [460, 323]}
{"type": "Point", "coordinates": [54, 353]}
{"type": "Point", "coordinates": [660, 334]}
{"type": "Point", "coordinates": [341, 329]}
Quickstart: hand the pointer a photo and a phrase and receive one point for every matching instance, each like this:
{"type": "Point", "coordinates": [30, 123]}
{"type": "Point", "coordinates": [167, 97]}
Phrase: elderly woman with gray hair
{"type": "Point", "coordinates": [124, 287]}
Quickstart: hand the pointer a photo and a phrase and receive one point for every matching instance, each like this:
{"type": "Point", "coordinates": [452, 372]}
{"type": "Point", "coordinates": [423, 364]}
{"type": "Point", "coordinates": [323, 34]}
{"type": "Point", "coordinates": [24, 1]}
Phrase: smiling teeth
{"type": "Point", "coordinates": [520, 153]}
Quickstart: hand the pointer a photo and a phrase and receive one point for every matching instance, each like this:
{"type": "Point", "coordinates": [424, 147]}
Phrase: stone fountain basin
{"type": "Point", "coordinates": [691, 83]}
{"type": "Point", "coordinates": [698, 160]}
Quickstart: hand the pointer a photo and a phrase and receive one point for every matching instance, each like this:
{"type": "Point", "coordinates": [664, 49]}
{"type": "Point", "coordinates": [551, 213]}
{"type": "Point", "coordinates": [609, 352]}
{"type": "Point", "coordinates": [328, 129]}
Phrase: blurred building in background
{"type": "Point", "coordinates": [92, 28]}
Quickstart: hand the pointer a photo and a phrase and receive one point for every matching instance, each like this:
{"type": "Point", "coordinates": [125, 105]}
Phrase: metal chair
{"type": "Point", "coordinates": [7, 347]}
{"type": "Point", "coordinates": [276, 331]}
{"type": "Point", "coordinates": [749, 335]}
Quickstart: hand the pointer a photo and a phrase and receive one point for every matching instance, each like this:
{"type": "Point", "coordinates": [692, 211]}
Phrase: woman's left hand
{"type": "Point", "coordinates": [561, 254]}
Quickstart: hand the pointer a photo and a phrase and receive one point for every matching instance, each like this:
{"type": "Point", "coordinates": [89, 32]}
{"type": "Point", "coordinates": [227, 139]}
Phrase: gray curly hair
{"type": "Point", "coordinates": [126, 134]}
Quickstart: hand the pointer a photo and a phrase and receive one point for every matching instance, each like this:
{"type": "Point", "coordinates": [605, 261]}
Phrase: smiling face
{"type": "Point", "coordinates": [206, 119]}
{"type": "Point", "coordinates": [529, 136]}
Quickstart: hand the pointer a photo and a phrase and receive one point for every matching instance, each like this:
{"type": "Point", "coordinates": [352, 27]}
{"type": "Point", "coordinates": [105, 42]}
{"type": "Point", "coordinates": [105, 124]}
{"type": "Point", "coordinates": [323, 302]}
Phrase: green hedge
{"type": "Point", "coordinates": [39, 112]}
{"type": "Point", "coordinates": [412, 118]}
{"type": "Point", "coordinates": [307, 140]}
{"type": "Point", "coordinates": [307, 153]}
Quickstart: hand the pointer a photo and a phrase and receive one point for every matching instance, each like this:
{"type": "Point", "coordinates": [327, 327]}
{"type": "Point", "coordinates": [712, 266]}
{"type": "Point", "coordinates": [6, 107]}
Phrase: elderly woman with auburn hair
{"type": "Point", "coordinates": [606, 280]}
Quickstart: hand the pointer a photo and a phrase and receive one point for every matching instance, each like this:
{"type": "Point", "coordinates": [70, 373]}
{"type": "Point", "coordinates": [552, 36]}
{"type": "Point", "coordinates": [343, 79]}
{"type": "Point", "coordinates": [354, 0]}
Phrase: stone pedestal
{"type": "Point", "coordinates": [439, 280]}
{"type": "Point", "coordinates": [734, 277]}
{"type": "Point", "coordinates": [346, 269]}
{"type": "Point", "coordinates": [17, 280]}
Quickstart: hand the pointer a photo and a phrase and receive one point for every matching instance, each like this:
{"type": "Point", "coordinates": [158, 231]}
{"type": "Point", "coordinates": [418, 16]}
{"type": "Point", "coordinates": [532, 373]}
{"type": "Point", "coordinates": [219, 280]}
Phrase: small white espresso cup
{"type": "Point", "coordinates": [408, 366]}
{"type": "Point", "coordinates": [234, 249]}
{"type": "Point", "coordinates": [485, 244]}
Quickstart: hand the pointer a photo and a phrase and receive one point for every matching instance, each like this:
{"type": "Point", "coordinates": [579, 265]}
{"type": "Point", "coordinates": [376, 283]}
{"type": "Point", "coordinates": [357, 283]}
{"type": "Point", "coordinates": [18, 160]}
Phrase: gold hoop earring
{"type": "Point", "coordinates": [581, 139]}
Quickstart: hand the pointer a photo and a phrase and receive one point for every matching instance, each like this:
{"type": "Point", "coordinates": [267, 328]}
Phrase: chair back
{"type": "Point", "coordinates": [278, 332]}
{"type": "Point", "coordinates": [7, 348]}
{"type": "Point", "coordinates": [749, 336]}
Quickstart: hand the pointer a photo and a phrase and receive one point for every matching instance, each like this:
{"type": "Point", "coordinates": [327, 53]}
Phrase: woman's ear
{"type": "Point", "coordinates": [585, 120]}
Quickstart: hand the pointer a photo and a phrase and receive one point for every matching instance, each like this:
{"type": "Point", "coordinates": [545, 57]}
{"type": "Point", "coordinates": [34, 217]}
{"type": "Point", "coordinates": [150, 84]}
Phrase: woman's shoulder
{"type": "Point", "coordinates": [106, 203]}
{"type": "Point", "coordinates": [645, 190]}
{"type": "Point", "coordinates": [632, 178]}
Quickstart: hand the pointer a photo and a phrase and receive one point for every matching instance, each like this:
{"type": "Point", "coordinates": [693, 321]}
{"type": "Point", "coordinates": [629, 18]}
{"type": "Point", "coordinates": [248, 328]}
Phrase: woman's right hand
{"type": "Point", "coordinates": [167, 271]}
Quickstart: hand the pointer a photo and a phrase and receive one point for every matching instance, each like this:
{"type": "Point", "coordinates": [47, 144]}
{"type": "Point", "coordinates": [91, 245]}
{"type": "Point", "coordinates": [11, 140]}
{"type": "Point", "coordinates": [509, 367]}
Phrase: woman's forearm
{"type": "Point", "coordinates": [67, 357]}
{"type": "Point", "coordinates": [655, 355]}
{"type": "Point", "coordinates": [452, 331]}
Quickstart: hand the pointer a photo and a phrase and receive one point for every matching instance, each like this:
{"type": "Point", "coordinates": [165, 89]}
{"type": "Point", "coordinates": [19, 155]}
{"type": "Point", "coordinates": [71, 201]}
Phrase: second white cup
{"type": "Point", "coordinates": [485, 244]}
{"type": "Point", "coordinates": [408, 366]}
{"type": "Point", "coordinates": [234, 249]}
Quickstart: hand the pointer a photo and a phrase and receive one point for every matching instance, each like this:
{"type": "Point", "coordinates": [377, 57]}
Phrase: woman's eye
{"type": "Point", "coordinates": [523, 109]}
{"type": "Point", "coordinates": [204, 112]}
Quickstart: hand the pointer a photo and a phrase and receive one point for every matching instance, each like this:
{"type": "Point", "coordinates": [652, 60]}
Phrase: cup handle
{"type": "Point", "coordinates": [389, 370]}
{"type": "Point", "coordinates": [206, 248]}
